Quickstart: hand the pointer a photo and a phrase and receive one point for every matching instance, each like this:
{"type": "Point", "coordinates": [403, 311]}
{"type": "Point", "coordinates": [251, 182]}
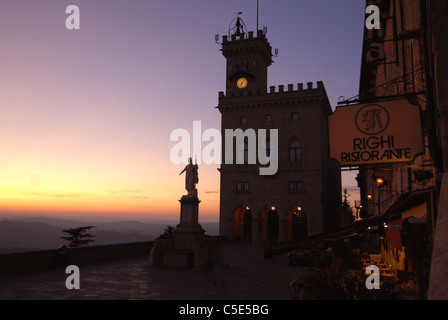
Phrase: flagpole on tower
{"type": "Point", "coordinates": [257, 16]}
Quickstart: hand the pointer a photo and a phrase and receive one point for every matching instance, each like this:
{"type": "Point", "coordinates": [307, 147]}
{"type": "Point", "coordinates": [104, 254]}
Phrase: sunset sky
{"type": "Point", "coordinates": [86, 115]}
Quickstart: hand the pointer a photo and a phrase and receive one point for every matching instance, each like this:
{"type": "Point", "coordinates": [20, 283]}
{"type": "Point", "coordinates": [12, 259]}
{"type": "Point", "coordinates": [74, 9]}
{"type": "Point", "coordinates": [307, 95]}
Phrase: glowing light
{"type": "Point", "coordinates": [379, 182]}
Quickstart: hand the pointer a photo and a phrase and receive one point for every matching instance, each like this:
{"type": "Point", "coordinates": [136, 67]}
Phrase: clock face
{"type": "Point", "coordinates": [241, 83]}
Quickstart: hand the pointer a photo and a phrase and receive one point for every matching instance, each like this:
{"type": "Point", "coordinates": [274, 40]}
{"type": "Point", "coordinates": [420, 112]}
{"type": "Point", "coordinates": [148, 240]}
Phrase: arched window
{"type": "Point", "coordinates": [295, 151]}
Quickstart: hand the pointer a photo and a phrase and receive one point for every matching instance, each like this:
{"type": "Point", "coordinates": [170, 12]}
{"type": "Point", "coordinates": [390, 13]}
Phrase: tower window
{"type": "Point", "coordinates": [268, 118]}
{"type": "Point", "coordinates": [295, 116]}
{"type": "Point", "coordinates": [242, 186]}
{"type": "Point", "coordinates": [243, 120]}
{"type": "Point", "coordinates": [295, 186]}
{"type": "Point", "coordinates": [295, 151]}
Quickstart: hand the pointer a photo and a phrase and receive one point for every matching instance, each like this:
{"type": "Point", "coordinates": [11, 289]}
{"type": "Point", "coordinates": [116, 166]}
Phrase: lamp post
{"type": "Point", "coordinates": [379, 184]}
{"type": "Point", "coordinates": [358, 207]}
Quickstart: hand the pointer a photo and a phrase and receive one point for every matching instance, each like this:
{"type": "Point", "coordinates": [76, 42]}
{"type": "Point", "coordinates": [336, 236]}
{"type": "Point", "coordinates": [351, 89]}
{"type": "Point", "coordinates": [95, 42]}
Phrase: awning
{"type": "Point", "coordinates": [350, 230]}
{"type": "Point", "coordinates": [393, 229]}
{"type": "Point", "coordinates": [409, 200]}
{"type": "Point", "coordinates": [392, 233]}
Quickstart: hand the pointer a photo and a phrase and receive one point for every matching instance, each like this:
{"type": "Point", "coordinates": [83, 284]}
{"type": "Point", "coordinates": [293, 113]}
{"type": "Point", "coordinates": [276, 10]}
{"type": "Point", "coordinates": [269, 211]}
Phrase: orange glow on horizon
{"type": "Point", "coordinates": [145, 199]}
{"type": "Point", "coordinates": [86, 115]}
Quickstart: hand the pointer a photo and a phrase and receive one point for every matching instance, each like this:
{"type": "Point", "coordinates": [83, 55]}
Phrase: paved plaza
{"type": "Point", "coordinates": [248, 277]}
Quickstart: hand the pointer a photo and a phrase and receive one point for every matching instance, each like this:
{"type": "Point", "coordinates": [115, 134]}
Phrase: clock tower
{"type": "Point", "coordinates": [248, 58]}
{"type": "Point", "coordinates": [285, 124]}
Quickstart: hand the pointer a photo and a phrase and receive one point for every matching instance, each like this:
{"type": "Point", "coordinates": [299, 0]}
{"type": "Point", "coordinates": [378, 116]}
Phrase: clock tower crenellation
{"type": "Point", "coordinates": [248, 58]}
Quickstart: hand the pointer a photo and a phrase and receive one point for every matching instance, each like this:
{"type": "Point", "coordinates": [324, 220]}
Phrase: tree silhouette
{"type": "Point", "coordinates": [78, 236]}
{"type": "Point", "coordinates": [347, 210]}
{"type": "Point", "coordinates": [167, 233]}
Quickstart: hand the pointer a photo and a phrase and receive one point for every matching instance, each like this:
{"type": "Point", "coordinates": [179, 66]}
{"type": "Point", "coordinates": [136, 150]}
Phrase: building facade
{"type": "Point", "coordinates": [300, 195]}
{"type": "Point", "coordinates": [405, 58]}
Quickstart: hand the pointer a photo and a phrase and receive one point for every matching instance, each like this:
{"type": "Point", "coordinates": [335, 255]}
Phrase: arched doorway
{"type": "Point", "coordinates": [242, 223]}
{"type": "Point", "coordinates": [247, 225]}
{"type": "Point", "coordinates": [272, 232]}
{"type": "Point", "coordinates": [297, 224]}
{"type": "Point", "coordinates": [269, 226]}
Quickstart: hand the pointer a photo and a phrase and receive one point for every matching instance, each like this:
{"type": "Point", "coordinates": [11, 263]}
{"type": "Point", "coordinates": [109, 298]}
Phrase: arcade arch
{"type": "Point", "coordinates": [242, 223]}
{"type": "Point", "coordinates": [296, 224]}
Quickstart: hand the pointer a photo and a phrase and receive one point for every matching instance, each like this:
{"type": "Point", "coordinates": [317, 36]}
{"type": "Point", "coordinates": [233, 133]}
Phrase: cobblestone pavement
{"type": "Point", "coordinates": [248, 277]}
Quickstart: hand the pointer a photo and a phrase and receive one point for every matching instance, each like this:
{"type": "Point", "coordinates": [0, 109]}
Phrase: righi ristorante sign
{"type": "Point", "coordinates": [373, 133]}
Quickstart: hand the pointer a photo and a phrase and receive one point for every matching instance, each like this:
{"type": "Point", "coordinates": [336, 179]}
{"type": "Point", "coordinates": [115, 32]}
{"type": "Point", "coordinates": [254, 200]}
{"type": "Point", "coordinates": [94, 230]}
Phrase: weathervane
{"type": "Point", "coordinates": [239, 27]}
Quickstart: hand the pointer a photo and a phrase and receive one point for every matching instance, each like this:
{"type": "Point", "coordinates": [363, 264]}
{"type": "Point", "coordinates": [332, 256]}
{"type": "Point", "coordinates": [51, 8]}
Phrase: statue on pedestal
{"type": "Point", "coordinates": [191, 178]}
{"type": "Point", "coordinates": [187, 245]}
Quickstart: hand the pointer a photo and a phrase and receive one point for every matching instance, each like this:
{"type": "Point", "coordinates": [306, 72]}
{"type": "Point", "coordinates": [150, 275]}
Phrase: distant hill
{"type": "Point", "coordinates": [27, 236]}
{"type": "Point", "coordinates": [42, 233]}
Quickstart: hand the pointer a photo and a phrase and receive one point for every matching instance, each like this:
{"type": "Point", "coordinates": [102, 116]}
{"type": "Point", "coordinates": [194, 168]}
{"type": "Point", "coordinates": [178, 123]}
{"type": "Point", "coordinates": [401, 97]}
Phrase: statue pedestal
{"type": "Point", "coordinates": [188, 229]}
{"type": "Point", "coordinates": [189, 212]}
{"type": "Point", "coordinates": [182, 248]}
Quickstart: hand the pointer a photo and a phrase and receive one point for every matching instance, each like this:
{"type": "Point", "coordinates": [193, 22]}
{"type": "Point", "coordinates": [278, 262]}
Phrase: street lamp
{"type": "Point", "coordinates": [379, 182]}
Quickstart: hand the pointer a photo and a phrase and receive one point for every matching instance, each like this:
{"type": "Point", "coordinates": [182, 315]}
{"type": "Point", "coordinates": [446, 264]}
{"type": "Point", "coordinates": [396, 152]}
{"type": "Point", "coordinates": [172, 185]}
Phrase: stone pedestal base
{"type": "Point", "coordinates": [189, 210]}
{"type": "Point", "coordinates": [188, 229]}
{"type": "Point", "coordinates": [178, 258]}
{"type": "Point", "coordinates": [182, 249]}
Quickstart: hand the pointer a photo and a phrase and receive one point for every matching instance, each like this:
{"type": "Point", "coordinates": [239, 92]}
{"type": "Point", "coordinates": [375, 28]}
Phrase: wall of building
{"type": "Point", "coordinates": [399, 71]}
{"type": "Point", "coordinates": [407, 58]}
{"type": "Point", "coordinates": [437, 33]}
{"type": "Point", "coordinates": [320, 197]}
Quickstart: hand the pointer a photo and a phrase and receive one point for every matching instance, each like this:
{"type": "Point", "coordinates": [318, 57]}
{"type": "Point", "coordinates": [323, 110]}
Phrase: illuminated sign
{"type": "Point", "coordinates": [374, 133]}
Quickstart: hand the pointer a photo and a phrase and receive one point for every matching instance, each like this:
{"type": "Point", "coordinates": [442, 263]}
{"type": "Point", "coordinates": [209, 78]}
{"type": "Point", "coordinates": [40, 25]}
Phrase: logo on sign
{"type": "Point", "coordinates": [372, 119]}
{"type": "Point", "coordinates": [374, 133]}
